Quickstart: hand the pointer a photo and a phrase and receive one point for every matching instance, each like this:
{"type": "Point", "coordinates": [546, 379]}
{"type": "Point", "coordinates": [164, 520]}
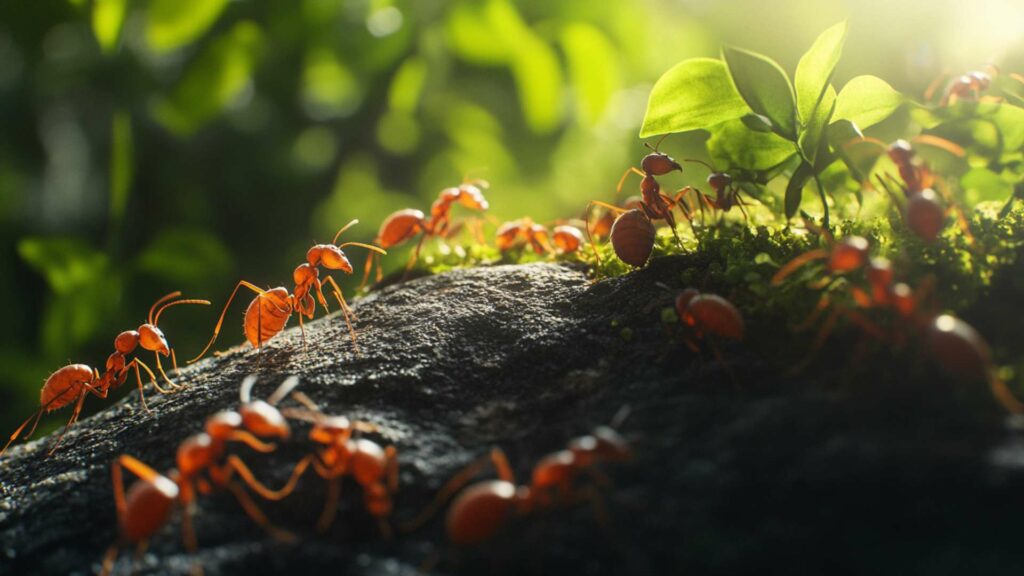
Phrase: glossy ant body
{"type": "Point", "coordinates": [203, 466]}
{"type": "Point", "coordinates": [708, 314]}
{"type": "Point", "coordinates": [71, 384]}
{"type": "Point", "coordinates": [404, 225]}
{"type": "Point", "coordinates": [270, 310]}
{"type": "Point", "coordinates": [479, 512]}
{"type": "Point", "coordinates": [562, 239]}
{"type": "Point", "coordinates": [654, 205]}
{"type": "Point", "coordinates": [953, 343]}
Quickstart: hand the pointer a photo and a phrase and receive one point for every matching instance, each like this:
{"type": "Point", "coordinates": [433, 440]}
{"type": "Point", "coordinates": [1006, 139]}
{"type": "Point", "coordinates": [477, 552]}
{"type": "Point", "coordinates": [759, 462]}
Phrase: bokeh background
{"type": "Point", "coordinates": [156, 145]}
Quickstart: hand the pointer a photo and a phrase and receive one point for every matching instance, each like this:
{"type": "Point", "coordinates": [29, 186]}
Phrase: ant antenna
{"type": "Point", "coordinates": [156, 318]}
{"type": "Point", "coordinates": [159, 302]}
{"type": "Point", "coordinates": [695, 161]}
{"type": "Point", "coordinates": [376, 249]}
{"type": "Point", "coordinates": [658, 145]}
{"type": "Point", "coordinates": [343, 228]}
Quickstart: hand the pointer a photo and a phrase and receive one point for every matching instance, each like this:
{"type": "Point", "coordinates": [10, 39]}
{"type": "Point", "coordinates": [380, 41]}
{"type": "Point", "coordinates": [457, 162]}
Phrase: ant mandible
{"type": "Point", "coordinates": [202, 467]}
{"type": "Point", "coordinates": [72, 383]}
{"type": "Point", "coordinates": [480, 511]}
{"type": "Point", "coordinates": [271, 309]}
{"type": "Point", "coordinates": [403, 225]}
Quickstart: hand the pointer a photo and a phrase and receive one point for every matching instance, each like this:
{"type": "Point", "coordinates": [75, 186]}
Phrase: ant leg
{"type": "Point", "coordinates": [1003, 394]}
{"type": "Point", "coordinates": [220, 322]}
{"type": "Point", "coordinates": [798, 262]}
{"type": "Point", "coordinates": [257, 516]}
{"type": "Point", "coordinates": [160, 369]}
{"type": "Point", "coordinates": [135, 363]}
{"type": "Point", "coordinates": [367, 269]}
{"type": "Point", "coordinates": [287, 386]}
{"type": "Point", "coordinates": [391, 453]}
{"type": "Point", "coordinates": [496, 458]}
{"type": "Point", "coordinates": [345, 311]}
{"type": "Point", "coordinates": [236, 464]}
{"type": "Point", "coordinates": [821, 306]}
{"type": "Point", "coordinates": [826, 329]}
{"type": "Point", "coordinates": [671, 219]}
{"type": "Point", "coordinates": [174, 362]}
{"type": "Point", "coordinates": [38, 414]}
{"type": "Point", "coordinates": [74, 417]}
{"type": "Point", "coordinates": [330, 505]}
{"type": "Point", "coordinates": [252, 442]}
{"type": "Point", "coordinates": [415, 256]}
{"type": "Point", "coordinates": [109, 560]}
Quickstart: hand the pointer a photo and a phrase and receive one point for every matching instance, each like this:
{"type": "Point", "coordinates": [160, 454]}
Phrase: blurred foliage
{"type": "Point", "coordinates": [158, 145]}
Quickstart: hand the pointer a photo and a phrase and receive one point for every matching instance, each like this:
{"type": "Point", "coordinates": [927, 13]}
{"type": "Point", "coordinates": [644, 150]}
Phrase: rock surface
{"type": "Point", "coordinates": [738, 469]}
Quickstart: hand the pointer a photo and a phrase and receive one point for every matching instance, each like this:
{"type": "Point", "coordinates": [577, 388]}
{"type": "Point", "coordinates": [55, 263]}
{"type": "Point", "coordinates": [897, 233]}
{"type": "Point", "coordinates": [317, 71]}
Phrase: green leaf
{"type": "Point", "coordinates": [213, 81]}
{"type": "Point", "coordinates": [485, 33]}
{"type": "Point", "coordinates": [538, 77]}
{"type": "Point", "coordinates": [593, 69]}
{"type": "Point", "coordinates": [733, 146]}
{"type": "Point", "coordinates": [407, 85]}
{"type": "Point", "coordinates": [330, 88]}
{"type": "Point", "coordinates": [814, 71]}
{"type": "Point", "coordinates": [122, 167]}
{"type": "Point", "coordinates": [764, 86]}
{"type": "Point", "coordinates": [812, 135]}
{"type": "Point", "coordinates": [171, 24]}
{"type": "Point", "coordinates": [866, 101]}
{"type": "Point", "coordinates": [693, 95]}
{"type": "Point", "coordinates": [795, 188]}
{"type": "Point", "coordinates": [107, 22]}
{"type": "Point", "coordinates": [757, 123]}
{"type": "Point", "coordinates": [67, 263]}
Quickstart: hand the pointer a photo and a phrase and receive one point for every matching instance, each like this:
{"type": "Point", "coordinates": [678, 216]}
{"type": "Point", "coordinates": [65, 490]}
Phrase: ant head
{"type": "Point", "coordinates": [472, 197]}
{"type": "Point", "coordinates": [603, 444]}
{"type": "Point", "coordinates": [126, 341]}
{"type": "Point", "coordinates": [980, 79]}
{"type": "Point", "coordinates": [719, 181]}
{"type": "Point", "coordinates": [152, 338]}
{"type": "Point", "coordinates": [683, 301]}
{"type": "Point", "coordinates": [901, 152]}
{"type": "Point", "coordinates": [223, 423]}
{"type": "Point", "coordinates": [333, 258]}
{"type": "Point", "coordinates": [264, 420]}
{"type": "Point", "coordinates": [658, 164]}
{"type": "Point", "coordinates": [925, 215]}
{"type": "Point", "coordinates": [331, 429]}
{"type": "Point", "coordinates": [849, 255]}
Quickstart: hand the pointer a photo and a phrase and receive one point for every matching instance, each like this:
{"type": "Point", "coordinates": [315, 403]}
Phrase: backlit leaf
{"type": "Point", "coordinates": [695, 94]}
{"type": "Point", "coordinates": [764, 86]}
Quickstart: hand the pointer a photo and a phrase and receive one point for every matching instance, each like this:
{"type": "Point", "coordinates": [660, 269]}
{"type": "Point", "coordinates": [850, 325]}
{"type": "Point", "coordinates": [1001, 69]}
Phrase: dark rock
{"type": "Point", "coordinates": [738, 469]}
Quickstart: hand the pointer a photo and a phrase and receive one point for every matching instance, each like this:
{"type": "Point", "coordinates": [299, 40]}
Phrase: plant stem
{"type": "Point", "coordinates": [824, 202]}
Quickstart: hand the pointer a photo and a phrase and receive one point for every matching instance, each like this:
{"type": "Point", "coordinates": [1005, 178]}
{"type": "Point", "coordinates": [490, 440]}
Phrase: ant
{"type": "Point", "coordinates": [923, 212]}
{"type": "Point", "coordinates": [563, 239]}
{"type": "Point", "coordinates": [373, 467]}
{"type": "Point", "coordinates": [402, 225]}
{"type": "Point", "coordinates": [708, 314]}
{"type": "Point", "coordinates": [203, 468]}
{"type": "Point", "coordinates": [726, 189]}
{"type": "Point", "coordinates": [654, 205]}
{"type": "Point", "coordinates": [481, 510]}
{"type": "Point", "coordinates": [72, 383]}
{"type": "Point", "coordinates": [270, 310]}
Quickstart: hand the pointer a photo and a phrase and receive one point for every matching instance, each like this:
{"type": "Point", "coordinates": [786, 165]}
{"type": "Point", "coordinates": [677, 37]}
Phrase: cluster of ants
{"type": "Point", "coordinates": [851, 282]}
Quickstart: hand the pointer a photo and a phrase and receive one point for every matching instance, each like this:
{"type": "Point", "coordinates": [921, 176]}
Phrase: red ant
{"type": "Point", "coordinates": [727, 192]}
{"type": "Point", "coordinates": [482, 509]}
{"type": "Point", "coordinates": [563, 239]}
{"type": "Point", "coordinates": [708, 314]}
{"type": "Point", "coordinates": [373, 467]}
{"type": "Point", "coordinates": [923, 213]}
{"type": "Point", "coordinates": [654, 205]}
{"type": "Point", "coordinates": [72, 383]}
{"type": "Point", "coordinates": [203, 468]}
{"type": "Point", "coordinates": [271, 309]}
{"type": "Point", "coordinates": [403, 225]}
